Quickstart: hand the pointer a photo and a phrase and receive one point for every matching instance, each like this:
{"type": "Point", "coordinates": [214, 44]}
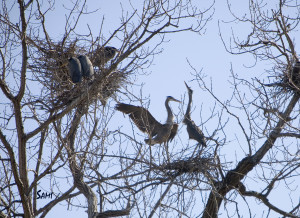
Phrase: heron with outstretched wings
{"type": "Point", "coordinates": [158, 133]}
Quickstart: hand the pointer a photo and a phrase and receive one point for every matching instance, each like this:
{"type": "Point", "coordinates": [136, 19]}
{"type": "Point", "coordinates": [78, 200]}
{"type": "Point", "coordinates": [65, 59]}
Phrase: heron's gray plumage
{"type": "Point", "coordinates": [193, 130]}
{"type": "Point", "coordinates": [296, 73]}
{"type": "Point", "coordinates": [75, 70]}
{"type": "Point", "coordinates": [143, 119]}
{"type": "Point", "coordinates": [86, 66]}
{"type": "Point", "coordinates": [102, 55]}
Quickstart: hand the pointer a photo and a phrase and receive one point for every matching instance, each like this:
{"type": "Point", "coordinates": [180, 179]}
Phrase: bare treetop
{"type": "Point", "coordinates": [65, 147]}
{"type": "Point", "coordinates": [55, 122]}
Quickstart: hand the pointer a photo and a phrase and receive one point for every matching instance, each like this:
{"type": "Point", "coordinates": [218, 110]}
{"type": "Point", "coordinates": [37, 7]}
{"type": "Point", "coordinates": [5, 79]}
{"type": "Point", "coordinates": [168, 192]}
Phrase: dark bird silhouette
{"type": "Point", "coordinates": [143, 119]}
{"type": "Point", "coordinates": [296, 73]}
{"type": "Point", "coordinates": [75, 70]}
{"type": "Point", "coordinates": [193, 130]}
{"type": "Point", "coordinates": [102, 55]}
{"type": "Point", "coordinates": [86, 66]}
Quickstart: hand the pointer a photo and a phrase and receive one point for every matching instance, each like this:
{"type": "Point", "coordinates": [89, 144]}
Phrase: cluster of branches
{"type": "Point", "coordinates": [57, 131]}
{"type": "Point", "coordinates": [271, 113]}
{"type": "Point", "coordinates": [51, 127]}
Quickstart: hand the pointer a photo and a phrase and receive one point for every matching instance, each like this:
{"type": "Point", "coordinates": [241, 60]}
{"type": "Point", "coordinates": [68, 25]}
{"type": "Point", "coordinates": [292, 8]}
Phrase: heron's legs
{"type": "Point", "coordinates": [166, 145]}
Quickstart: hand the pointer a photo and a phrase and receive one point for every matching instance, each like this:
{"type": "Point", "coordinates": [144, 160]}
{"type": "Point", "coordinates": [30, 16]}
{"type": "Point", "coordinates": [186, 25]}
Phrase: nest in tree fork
{"type": "Point", "coordinates": [106, 86]}
{"type": "Point", "coordinates": [192, 165]}
{"type": "Point", "coordinates": [293, 77]}
{"type": "Point", "coordinates": [290, 79]}
{"type": "Point", "coordinates": [50, 67]}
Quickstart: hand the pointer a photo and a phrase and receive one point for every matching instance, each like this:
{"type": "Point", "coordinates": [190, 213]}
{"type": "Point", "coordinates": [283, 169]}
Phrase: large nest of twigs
{"type": "Point", "coordinates": [101, 88]}
{"type": "Point", "coordinates": [290, 79]}
{"type": "Point", "coordinates": [50, 67]}
{"type": "Point", "coordinates": [191, 165]}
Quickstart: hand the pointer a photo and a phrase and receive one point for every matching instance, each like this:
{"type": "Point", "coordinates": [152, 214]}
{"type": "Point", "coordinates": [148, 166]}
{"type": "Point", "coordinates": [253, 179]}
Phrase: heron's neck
{"type": "Point", "coordinates": [170, 114]}
{"type": "Point", "coordinates": [188, 110]}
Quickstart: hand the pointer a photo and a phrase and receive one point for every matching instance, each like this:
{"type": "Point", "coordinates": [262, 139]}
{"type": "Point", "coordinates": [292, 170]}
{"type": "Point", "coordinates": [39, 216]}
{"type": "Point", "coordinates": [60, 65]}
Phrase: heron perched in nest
{"type": "Point", "coordinates": [75, 70]}
{"type": "Point", "coordinates": [193, 130]}
{"type": "Point", "coordinates": [80, 67]}
{"type": "Point", "coordinates": [86, 66]}
{"type": "Point", "coordinates": [143, 119]}
{"type": "Point", "coordinates": [295, 74]}
{"type": "Point", "coordinates": [102, 55]}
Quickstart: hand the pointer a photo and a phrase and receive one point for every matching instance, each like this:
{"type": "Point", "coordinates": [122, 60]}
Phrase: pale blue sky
{"type": "Point", "coordinates": [170, 69]}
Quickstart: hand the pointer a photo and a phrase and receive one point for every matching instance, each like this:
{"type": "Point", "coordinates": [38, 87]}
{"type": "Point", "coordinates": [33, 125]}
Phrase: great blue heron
{"type": "Point", "coordinates": [143, 119]}
{"type": "Point", "coordinates": [87, 67]}
{"type": "Point", "coordinates": [101, 55]}
{"type": "Point", "coordinates": [193, 130]}
{"type": "Point", "coordinates": [75, 70]}
{"type": "Point", "coordinates": [296, 73]}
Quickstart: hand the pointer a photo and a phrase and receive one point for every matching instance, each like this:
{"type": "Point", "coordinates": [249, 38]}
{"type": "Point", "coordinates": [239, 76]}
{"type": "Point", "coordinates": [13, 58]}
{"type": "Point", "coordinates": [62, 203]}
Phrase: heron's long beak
{"type": "Point", "coordinates": [176, 100]}
{"type": "Point", "coordinates": [187, 86]}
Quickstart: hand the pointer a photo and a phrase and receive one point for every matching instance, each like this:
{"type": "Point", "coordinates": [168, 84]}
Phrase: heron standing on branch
{"type": "Point", "coordinates": [143, 119]}
{"type": "Point", "coordinates": [193, 130]}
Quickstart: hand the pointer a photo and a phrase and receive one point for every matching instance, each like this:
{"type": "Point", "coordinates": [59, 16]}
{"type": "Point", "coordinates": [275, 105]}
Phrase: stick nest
{"type": "Point", "coordinates": [50, 68]}
{"type": "Point", "coordinates": [289, 80]}
{"type": "Point", "coordinates": [192, 165]}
